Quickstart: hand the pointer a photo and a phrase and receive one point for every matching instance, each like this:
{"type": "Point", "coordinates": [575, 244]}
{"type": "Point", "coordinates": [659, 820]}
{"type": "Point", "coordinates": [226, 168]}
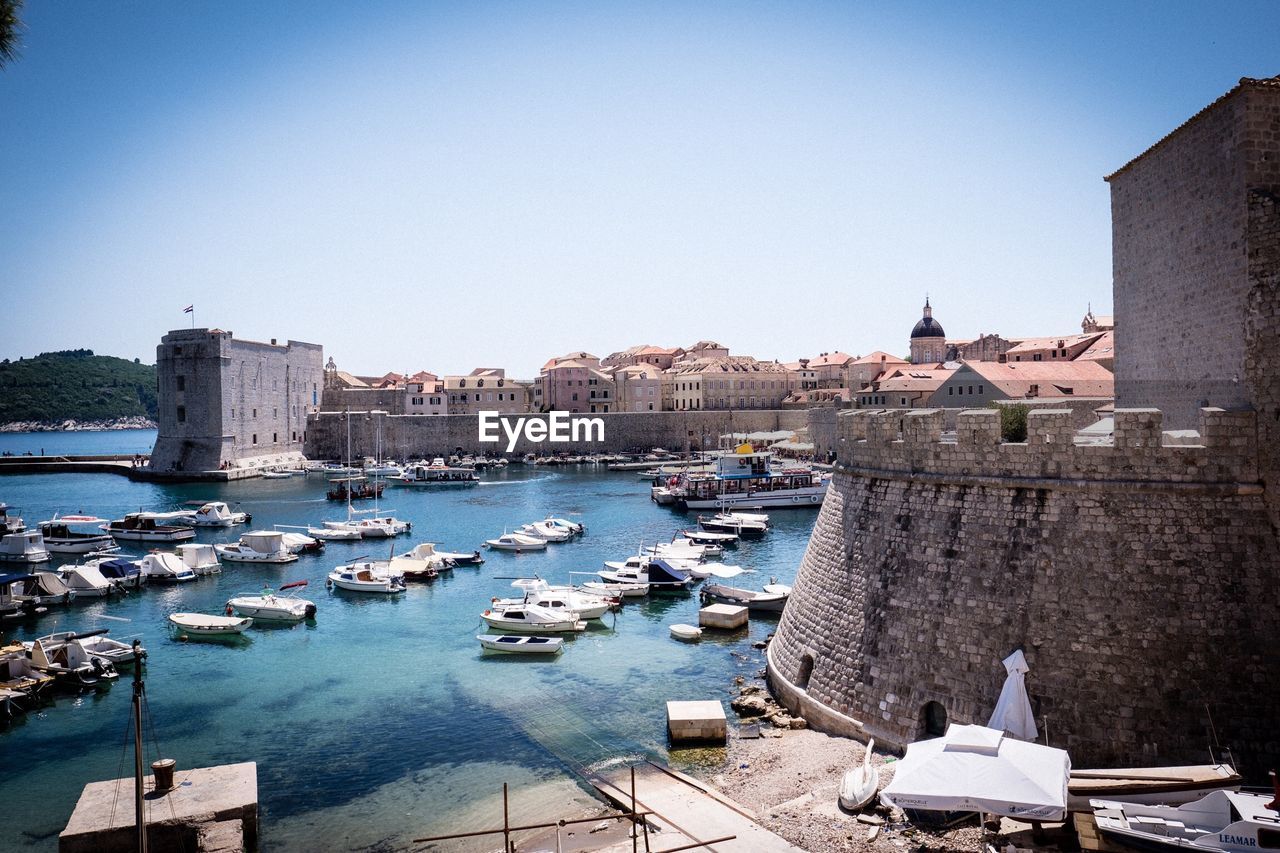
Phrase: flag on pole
{"type": "Point", "coordinates": [189, 309]}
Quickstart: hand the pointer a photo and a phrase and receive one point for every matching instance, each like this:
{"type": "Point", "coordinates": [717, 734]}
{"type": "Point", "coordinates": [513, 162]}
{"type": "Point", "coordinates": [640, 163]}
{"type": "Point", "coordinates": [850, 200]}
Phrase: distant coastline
{"type": "Point", "coordinates": [71, 425]}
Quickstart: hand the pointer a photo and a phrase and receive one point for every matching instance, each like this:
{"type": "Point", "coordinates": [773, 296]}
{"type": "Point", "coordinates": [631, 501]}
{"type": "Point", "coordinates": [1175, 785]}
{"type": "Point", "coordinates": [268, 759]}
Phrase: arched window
{"type": "Point", "coordinates": [933, 720]}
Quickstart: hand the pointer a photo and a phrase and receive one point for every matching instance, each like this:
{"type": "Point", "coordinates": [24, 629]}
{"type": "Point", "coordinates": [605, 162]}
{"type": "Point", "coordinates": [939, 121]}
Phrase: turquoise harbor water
{"type": "Point", "coordinates": [381, 721]}
{"type": "Point", "coordinates": [86, 442]}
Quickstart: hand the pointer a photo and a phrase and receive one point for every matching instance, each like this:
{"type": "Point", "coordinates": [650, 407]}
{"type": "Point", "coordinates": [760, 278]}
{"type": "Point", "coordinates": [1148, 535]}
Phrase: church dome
{"type": "Point", "coordinates": [928, 328]}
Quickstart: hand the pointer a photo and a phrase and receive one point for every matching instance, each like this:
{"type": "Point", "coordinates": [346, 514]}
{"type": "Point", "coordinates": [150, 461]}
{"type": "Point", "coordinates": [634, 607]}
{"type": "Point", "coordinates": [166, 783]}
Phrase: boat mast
{"type": "Point", "coordinates": [140, 818]}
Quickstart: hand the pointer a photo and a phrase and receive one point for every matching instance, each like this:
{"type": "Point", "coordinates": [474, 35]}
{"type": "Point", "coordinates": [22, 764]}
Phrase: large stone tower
{"type": "Point", "coordinates": [224, 402]}
{"type": "Point", "coordinates": [1141, 578]}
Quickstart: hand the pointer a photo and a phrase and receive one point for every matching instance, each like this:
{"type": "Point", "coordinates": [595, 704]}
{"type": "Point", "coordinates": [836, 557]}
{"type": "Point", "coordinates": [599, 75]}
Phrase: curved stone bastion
{"type": "Point", "coordinates": [1142, 582]}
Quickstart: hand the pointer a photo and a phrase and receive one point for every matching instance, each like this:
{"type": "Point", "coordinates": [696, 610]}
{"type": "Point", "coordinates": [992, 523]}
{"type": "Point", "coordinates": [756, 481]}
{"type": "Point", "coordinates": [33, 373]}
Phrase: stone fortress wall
{"type": "Point", "coordinates": [1139, 580]}
{"type": "Point", "coordinates": [237, 402]}
{"type": "Point", "coordinates": [426, 436]}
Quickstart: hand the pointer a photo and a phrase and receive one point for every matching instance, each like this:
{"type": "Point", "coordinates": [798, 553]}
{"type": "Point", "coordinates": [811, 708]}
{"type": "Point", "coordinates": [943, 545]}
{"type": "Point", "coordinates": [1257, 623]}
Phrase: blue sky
{"type": "Point", "coordinates": [442, 186]}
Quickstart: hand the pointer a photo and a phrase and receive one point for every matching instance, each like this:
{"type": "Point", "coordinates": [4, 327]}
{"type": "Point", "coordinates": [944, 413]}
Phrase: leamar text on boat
{"type": "Point", "coordinates": [555, 428]}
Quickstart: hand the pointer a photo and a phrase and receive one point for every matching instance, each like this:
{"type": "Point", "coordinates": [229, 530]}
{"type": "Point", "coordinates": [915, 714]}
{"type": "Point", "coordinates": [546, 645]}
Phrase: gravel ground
{"type": "Point", "coordinates": [791, 782]}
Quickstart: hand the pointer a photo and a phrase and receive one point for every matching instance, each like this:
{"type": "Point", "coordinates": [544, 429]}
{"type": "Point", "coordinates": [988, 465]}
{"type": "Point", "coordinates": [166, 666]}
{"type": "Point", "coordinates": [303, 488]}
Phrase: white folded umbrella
{"type": "Point", "coordinates": [1013, 709]}
{"type": "Point", "coordinates": [974, 768]}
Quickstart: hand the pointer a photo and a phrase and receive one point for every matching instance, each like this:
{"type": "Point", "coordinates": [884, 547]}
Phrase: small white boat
{"type": "Point", "coordinates": [658, 573]}
{"type": "Point", "coordinates": [716, 570]}
{"type": "Point", "coordinates": [735, 523]}
{"type": "Point", "coordinates": [1168, 786]}
{"type": "Point", "coordinates": [756, 602]}
{"type": "Point", "coordinates": [204, 624]}
{"type": "Point", "coordinates": [708, 537]}
{"type": "Point", "coordinates": [63, 657]}
{"type": "Point", "coordinates": [160, 567]}
{"type": "Point", "coordinates": [685, 632]}
{"type": "Point", "coordinates": [151, 527]}
{"type": "Point", "coordinates": [683, 549]}
{"type": "Point", "coordinates": [366, 577]}
{"type": "Point", "coordinates": [537, 591]}
{"type": "Point", "coordinates": [859, 785]}
{"type": "Point", "coordinates": [86, 581]}
{"type": "Point", "coordinates": [517, 542]}
{"type": "Point", "coordinates": [26, 546]}
{"type": "Point", "coordinates": [530, 618]}
{"type": "Point", "coordinates": [99, 645]}
{"type": "Point", "coordinates": [122, 571]}
{"type": "Point", "coordinates": [777, 589]}
{"type": "Point", "coordinates": [218, 514]}
{"type": "Point", "coordinates": [420, 563]}
{"type": "Point", "coordinates": [1222, 820]}
{"type": "Point", "coordinates": [201, 559]}
{"type": "Point", "coordinates": [625, 590]}
{"type": "Point", "coordinates": [329, 534]}
{"type": "Point", "coordinates": [276, 475]}
{"type": "Point", "coordinates": [573, 527]}
{"type": "Point", "coordinates": [62, 537]}
{"type": "Point", "coordinates": [546, 530]}
{"type": "Point", "coordinates": [260, 546]}
{"type": "Point", "coordinates": [521, 645]}
{"type": "Point", "coordinates": [298, 543]}
{"type": "Point", "coordinates": [639, 562]}
{"type": "Point", "coordinates": [271, 606]}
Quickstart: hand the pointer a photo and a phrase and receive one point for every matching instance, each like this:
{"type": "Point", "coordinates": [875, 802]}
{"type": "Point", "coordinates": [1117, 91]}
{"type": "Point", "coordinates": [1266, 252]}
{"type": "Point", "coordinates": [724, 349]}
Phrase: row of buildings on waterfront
{"type": "Point", "coordinates": [939, 371]}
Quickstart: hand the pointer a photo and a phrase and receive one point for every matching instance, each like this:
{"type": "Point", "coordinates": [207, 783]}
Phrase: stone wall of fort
{"type": "Point", "coordinates": [419, 436]}
{"type": "Point", "coordinates": [1139, 580]}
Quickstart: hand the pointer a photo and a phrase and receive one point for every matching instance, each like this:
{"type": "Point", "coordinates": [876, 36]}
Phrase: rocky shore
{"type": "Point", "coordinates": [132, 422]}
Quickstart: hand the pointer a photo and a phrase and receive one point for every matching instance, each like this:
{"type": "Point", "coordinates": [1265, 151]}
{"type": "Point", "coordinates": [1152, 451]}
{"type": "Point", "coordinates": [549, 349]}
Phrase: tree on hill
{"type": "Point", "coordinates": [76, 385]}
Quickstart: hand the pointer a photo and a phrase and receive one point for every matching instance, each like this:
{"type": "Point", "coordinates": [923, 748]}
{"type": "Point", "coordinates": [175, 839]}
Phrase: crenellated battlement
{"type": "Point", "coordinates": [913, 442]}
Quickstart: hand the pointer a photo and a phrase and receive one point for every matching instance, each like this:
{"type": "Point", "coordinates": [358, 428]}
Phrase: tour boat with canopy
{"type": "Point", "coordinates": [152, 527]}
{"type": "Point", "coordinates": [745, 478]}
{"type": "Point", "coordinates": [62, 537]}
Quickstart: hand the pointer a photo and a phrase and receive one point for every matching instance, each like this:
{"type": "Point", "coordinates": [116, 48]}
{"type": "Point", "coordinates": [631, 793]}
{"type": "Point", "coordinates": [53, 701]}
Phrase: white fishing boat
{"type": "Point", "coordinates": [86, 581]}
{"type": "Point", "coordinates": [201, 559]}
{"type": "Point", "coordinates": [269, 605]}
{"type": "Point", "coordinates": [637, 562]}
{"type": "Point", "coordinates": [99, 645]}
{"type": "Point", "coordinates": [1221, 820]}
{"type": "Point", "coordinates": [530, 618]}
{"type": "Point", "coordinates": [517, 542]}
{"type": "Point", "coordinates": [420, 563]}
{"type": "Point", "coordinates": [260, 546]}
{"type": "Point", "coordinates": [623, 590]}
{"type": "Point", "coordinates": [539, 592]}
{"type": "Point", "coordinates": [860, 784]}
{"type": "Point", "coordinates": [152, 527]}
{"type": "Point", "coordinates": [574, 527]}
{"type": "Point", "coordinates": [160, 567]}
{"type": "Point", "coordinates": [63, 657]}
{"type": "Point", "coordinates": [682, 631]}
{"type": "Point", "coordinates": [520, 645]}
{"type": "Point", "coordinates": [462, 558]}
{"type": "Point", "coordinates": [218, 514]}
{"type": "Point", "coordinates": [682, 549]}
{"type": "Point", "coordinates": [756, 602]}
{"type": "Point", "coordinates": [656, 573]}
{"type": "Point", "coordinates": [61, 535]}
{"type": "Point", "coordinates": [26, 546]}
{"type": "Point", "coordinates": [205, 624]}
{"type": "Point", "coordinates": [366, 577]}
{"type": "Point", "coordinates": [728, 522]}
{"type": "Point", "coordinates": [546, 531]}
{"type": "Point", "coordinates": [708, 537]}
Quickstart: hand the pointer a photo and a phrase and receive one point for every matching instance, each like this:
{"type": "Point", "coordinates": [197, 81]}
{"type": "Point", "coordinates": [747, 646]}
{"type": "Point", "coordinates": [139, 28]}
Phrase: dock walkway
{"type": "Point", "coordinates": [687, 811]}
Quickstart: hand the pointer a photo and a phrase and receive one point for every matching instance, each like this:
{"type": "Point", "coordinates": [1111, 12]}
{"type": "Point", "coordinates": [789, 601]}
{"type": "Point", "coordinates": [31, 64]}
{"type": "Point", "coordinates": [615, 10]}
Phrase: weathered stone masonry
{"type": "Point", "coordinates": [1129, 574]}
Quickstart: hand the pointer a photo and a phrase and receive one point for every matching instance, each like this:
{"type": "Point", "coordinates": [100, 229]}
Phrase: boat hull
{"type": "Point", "coordinates": [520, 645]}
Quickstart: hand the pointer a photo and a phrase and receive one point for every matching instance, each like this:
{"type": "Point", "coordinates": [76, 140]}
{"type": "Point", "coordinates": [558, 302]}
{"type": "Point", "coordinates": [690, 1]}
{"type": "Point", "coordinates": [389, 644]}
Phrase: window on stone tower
{"type": "Point", "coordinates": [182, 414]}
{"type": "Point", "coordinates": [181, 382]}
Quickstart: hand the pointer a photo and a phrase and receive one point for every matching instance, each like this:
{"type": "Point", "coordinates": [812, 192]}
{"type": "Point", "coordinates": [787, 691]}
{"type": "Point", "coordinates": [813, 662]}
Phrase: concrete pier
{"type": "Point", "coordinates": [726, 617]}
{"type": "Point", "coordinates": [697, 721]}
{"type": "Point", "coordinates": [208, 809]}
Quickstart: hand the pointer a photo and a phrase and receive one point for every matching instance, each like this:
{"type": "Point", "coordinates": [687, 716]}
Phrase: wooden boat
{"type": "Point", "coordinates": [760, 602]}
{"type": "Point", "coordinates": [859, 785]}
{"type": "Point", "coordinates": [1221, 820]}
{"type": "Point", "coordinates": [521, 645]}
{"type": "Point", "coordinates": [685, 632]}
{"type": "Point", "coordinates": [1170, 786]}
{"type": "Point", "coordinates": [204, 624]}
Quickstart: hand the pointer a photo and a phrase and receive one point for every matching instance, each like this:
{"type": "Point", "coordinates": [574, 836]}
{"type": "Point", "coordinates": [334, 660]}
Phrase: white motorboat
{"type": "Point", "coordinates": [63, 657]}
{"type": "Point", "coordinates": [708, 537]}
{"type": "Point", "coordinates": [625, 590]}
{"type": "Point", "coordinates": [521, 645]}
{"type": "Point", "coordinates": [99, 645]}
{"type": "Point", "coordinates": [366, 577]}
{"type": "Point", "coordinates": [123, 571]}
{"type": "Point", "coordinates": [86, 581]}
{"type": "Point", "coordinates": [682, 549]}
{"type": "Point", "coordinates": [638, 562]}
{"type": "Point", "coordinates": [537, 591]}
{"type": "Point", "coordinates": [160, 567]}
{"type": "Point", "coordinates": [205, 624]}
{"type": "Point", "coordinates": [576, 528]}
{"type": "Point", "coordinates": [735, 523]}
{"type": "Point", "coordinates": [859, 785]}
{"type": "Point", "coordinates": [271, 606]}
{"type": "Point", "coordinates": [366, 528]}
{"type": "Point", "coordinates": [530, 618]}
{"type": "Point", "coordinates": [517, 542]}
{"type": "Point", "coordinates": [1222, 820]}
{"type": "Point", "coordinates": [717, 570]}
{"type": "Point", "coordinates": [38, 589]}
{"type": "Point", "coordinates": [26, 546]}
{"type": "Point", "coordinates": [461, 558]}
{"type": "Point", "coordinates": [546, 531]}
{"type": "Point", "coordinates": [329, 534]}
{"type": "Point", "coordinates": [218, 514]}
{"type": "Point", "coordinates": [420, 563]}
{"type": "Point", "coordinates": [682, 631]}
{"type": "Point", "coordinates": [435, 474]}
{"type": "Point", "coordinates": [299, 543]}
{"type": "Point", "coordinates": [276, 475]}
{"type": "Point", "coordinates": [757, 602]}
{"type": "Point", "coordinates": [62, 537]}
{"type": "Point", "coordinates": [260, 546]}
{"type": "Point", "coordinates": [201, 559]}
{"type": "Point", "coordinates": [655, 572]}
{"type": "Point", "coordinates": [152, 527]}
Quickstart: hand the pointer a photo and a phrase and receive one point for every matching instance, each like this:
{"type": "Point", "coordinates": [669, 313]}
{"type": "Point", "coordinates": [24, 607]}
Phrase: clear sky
{"type": "Point", "coordinates": [444, 186]}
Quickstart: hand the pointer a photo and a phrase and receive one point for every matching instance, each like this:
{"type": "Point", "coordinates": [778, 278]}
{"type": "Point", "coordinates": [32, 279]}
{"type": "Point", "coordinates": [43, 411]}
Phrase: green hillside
{"type": "Point", "coordinates": [75, 384]}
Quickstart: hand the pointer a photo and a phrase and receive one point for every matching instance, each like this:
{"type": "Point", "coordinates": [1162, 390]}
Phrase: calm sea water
{"type": "Point", "coordinates": [382, 721]}
{"type": "Point", "coordinates": [86, 442]}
